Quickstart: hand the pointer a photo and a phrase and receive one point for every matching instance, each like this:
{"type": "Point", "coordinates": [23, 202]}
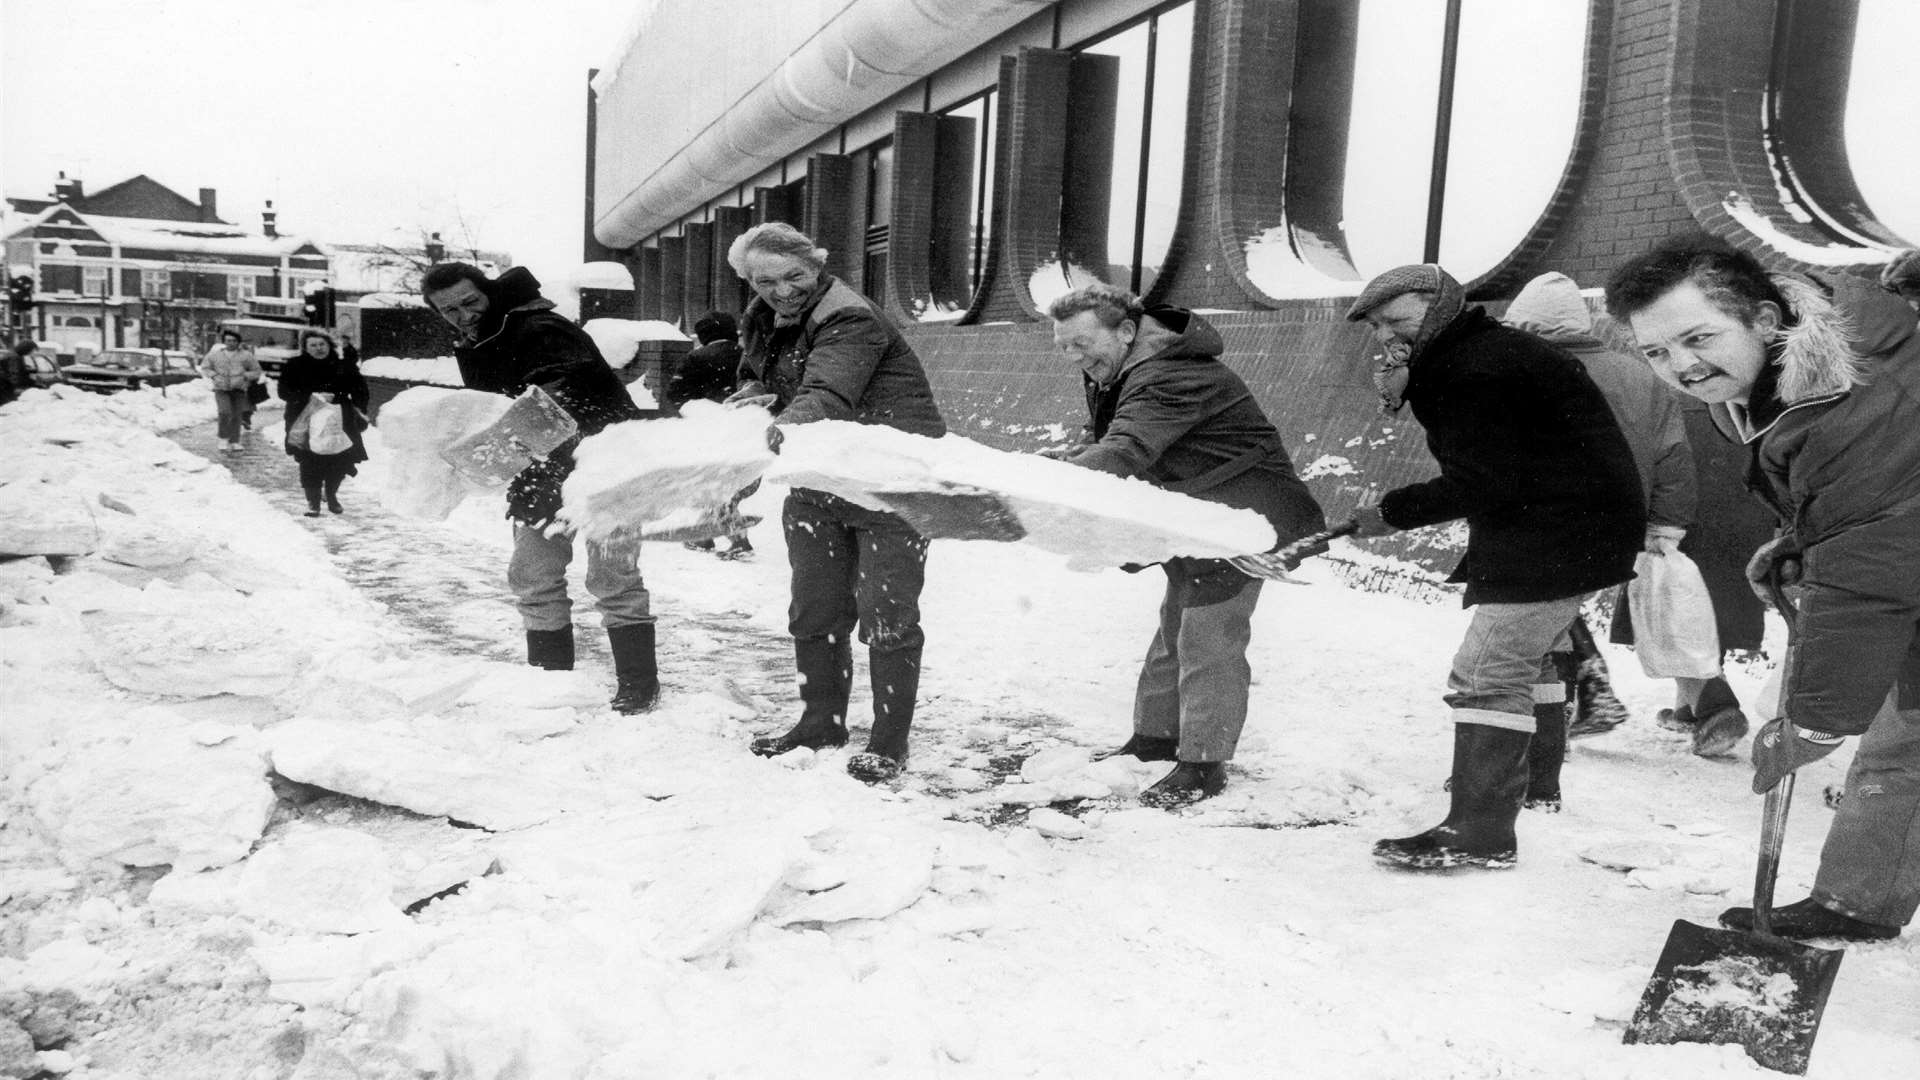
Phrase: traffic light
{"type": "Point", "coordinates": [20, 292]}
{"type": "Point", "coordinates": [319, 307]}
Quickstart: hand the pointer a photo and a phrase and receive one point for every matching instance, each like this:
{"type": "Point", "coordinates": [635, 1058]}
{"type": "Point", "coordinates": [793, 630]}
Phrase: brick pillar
{"type": "Point", "coordinates": [646, 284]}
{"type": "Point", "coordinates": [1269, 92]}
{"type": "Point", "coordinates": [673, 279]}
{"type": "Point", "coordinates": [1086, 181]}
{"type": "Point", "coordinates": [697, 273]}
{"type": "Point", "coordinates": [829, 216]}
{"type": "Point", "coordinates": [781, 203]}
{"type": "Point", "coordinates": [1029, 164]}
{"type": "Point", "coordinates": [726, 290]}
{"type": "Point", "coordinates": [1811, 116]}
{"type": "Point", "coordinates": [931, 217]}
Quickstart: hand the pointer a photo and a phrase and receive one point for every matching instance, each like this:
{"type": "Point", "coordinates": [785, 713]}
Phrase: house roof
{"type": "Point", "coordinates": [186, 237]}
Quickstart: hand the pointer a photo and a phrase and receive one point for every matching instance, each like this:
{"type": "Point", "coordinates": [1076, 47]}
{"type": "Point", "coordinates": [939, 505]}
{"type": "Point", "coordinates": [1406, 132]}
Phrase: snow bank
{"type": "Point", "coordinates": [601, 275]}
{"type": "Point", "coordinates": [619, 339]}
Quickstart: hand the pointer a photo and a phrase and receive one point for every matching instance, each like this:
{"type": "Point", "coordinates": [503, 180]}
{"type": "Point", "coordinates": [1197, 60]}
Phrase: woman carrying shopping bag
{"type": "Point", "coordinates": [326, 400]}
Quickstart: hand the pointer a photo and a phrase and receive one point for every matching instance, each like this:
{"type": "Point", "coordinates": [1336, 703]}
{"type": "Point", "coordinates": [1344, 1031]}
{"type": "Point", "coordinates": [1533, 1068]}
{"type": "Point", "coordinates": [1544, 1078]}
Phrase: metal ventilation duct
{"type": "Point", "coordinates": [866, 53]}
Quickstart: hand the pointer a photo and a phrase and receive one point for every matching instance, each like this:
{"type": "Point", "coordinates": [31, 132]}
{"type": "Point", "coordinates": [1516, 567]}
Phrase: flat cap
{"type": "Point", "coordinates": [1417, 277]}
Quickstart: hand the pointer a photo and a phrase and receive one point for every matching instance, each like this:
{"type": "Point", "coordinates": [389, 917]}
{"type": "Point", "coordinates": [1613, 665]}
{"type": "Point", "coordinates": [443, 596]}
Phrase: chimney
{"type": "Point", "coordinates": [67, 191]}
{"type": "Point", "coordinates": [268, 219]}
{"type": "Point", "coordinates": [209, 210]}
{"type": "Point", "coordinates": [436, 251]}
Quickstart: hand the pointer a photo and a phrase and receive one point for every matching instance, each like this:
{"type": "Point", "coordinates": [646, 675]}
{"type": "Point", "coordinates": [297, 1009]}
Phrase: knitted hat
{"type": "Point", "coordinates": [1418, 277]}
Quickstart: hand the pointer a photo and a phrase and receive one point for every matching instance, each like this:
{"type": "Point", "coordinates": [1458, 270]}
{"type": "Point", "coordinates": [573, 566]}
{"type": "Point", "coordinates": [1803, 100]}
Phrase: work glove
{"type": "Point", "coordinates": [1775, 755]}
{"type": "Point", "coordinates": [752, 388]}
{"type": "Point", "coordinates": [1371, 523]}
{"type": "Point", "coordinates": [533, 495]}
{"type": "Point", "coordinates": [774, 437]}
{"type": "Point", "coordinates": [1664, 539]}
{"type": "Point", "coordinates": [1777, 559]}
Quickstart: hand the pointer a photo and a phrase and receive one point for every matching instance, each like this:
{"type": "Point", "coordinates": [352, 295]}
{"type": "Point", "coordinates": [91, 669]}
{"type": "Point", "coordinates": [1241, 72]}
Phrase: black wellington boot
{"type": "Point", "coordinates": [633, 665]}
{"type": "Point", "coordinates": [1489, 782]}
{"type": "Point", "coordinates": [551, 649]}
{"type": "Point", "coordinates": [1144, 747]}
{"type": "Point", "coordinates": [1188, 783]}
{"type": "Point", "coordinates": [313, 499]}
{"type": "Point", "coordinates": [1720, 723]}
{"type": "Point", "coordinates": [895, 676]}
{"type": "Point", "coordinates": [826, 679]}
{"type": "Point", "coordinates": [333, 496]}
{"type": "Point", "coordinates": [1545, 754]}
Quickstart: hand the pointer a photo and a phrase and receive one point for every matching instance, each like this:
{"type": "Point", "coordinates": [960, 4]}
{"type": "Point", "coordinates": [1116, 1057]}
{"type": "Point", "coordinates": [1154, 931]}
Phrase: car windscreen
{"type": "Point", "coordinates": [127, 360]}
{"type": "Point", "coordinates": [270, 337]}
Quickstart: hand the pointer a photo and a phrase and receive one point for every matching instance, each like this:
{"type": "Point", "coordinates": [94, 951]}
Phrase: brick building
{"type": "Point", "coordinates": [965, 160]}
{"type": "Point", "coordinates": [140, 264]}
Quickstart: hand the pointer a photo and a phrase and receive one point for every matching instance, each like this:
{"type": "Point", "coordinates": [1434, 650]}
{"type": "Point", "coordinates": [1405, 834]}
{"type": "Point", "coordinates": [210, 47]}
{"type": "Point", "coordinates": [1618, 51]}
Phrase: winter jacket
{"type": "Point", "coordinates": [1531, 456]}
{"type": "Point", "coordinates": [231, 369]}
{"type": "Point", "coordinates": [1177, 417]}
{"type": "Point", "coordinates": [303, 376]}
{"type": "Point", "coordinates": [1833, 427]}
{"type": "Point", "coordinates": [1648, 410]}
{"type": "Point", "coordinates": [521, 342]}
{"type": "Point", "coordinates": [841, 361]}
{"type": "Point", "coordinates": [708, 373]}
{"type": "Point", "coordinates": [15, 378]}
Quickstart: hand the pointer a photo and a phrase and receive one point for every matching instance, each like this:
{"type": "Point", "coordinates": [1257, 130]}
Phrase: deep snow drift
{"type": "Point", "coordinates": [256, 824]}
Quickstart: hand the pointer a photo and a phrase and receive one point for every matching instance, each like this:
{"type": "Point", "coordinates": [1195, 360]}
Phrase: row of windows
{"type": "Point", "coordinates": [167, 284]}
{"type": "Point", "coordinates": [1509, 129]}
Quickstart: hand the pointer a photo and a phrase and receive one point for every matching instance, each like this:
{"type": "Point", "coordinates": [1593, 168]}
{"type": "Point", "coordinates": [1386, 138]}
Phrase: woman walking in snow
{"type": "Point", "coordinates": [232, 368]}
{"type": "Point", "coordinates": [319, 374]}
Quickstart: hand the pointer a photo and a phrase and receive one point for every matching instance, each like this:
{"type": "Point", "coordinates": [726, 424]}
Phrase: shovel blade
{"type": "Point", "coordinates": [532, 427]}
{"type": "Point", "coordinates": [955, 512]}
{"type": "Point", "coordinates": [1728, 986]}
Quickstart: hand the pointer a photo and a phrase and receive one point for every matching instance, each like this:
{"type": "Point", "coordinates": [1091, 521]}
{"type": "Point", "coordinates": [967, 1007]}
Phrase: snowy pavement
{"type": "Point", "coordinates": [647, 899]}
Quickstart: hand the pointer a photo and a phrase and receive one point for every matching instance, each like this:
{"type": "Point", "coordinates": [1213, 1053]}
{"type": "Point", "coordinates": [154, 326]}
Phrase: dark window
{"type": "Point", "coordinates": [266, 286]}
{"type": "Point", "coordinates": [60, 279]}
{"type": "Point", "coordinates": [129, 282]}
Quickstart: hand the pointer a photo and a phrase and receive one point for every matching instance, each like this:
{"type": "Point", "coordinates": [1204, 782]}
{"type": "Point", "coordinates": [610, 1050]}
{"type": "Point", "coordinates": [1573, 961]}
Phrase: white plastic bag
{"type": "Point", "coordinates": [1673, 628]}
{"type": "Point", "coordinates": [326, 429]}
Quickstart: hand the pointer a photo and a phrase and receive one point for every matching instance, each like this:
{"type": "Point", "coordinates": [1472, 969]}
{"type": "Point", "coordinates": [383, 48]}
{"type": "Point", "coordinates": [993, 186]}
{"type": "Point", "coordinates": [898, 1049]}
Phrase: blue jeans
{"type": "Point", "coordinates": [1499, 661]}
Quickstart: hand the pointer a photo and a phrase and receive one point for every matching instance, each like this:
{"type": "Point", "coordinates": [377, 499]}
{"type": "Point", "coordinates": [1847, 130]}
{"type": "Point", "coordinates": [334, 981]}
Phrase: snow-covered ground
{"type": "Point", "coordinates": [275, 801]}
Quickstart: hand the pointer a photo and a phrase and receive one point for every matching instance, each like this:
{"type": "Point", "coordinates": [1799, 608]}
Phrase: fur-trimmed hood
{"type": "Point", "coordinates": [1816, 355]}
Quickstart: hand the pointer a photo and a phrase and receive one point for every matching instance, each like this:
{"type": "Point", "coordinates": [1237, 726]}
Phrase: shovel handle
{"type": "Point", "coordinates": [1773, 814]}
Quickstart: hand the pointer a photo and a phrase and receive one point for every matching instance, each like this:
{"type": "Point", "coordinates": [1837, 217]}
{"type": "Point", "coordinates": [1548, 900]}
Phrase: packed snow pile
{"type": "Point", "coordinates": [414, 428]}
{"type": "Point", "coordinates": [648, 476]}
{"type": "Point", "coordinates": [619, 339]}
{"type": "Point", "coordinates": [1095, 519]}
{"type": "Point", "coordinates": [437, 370]}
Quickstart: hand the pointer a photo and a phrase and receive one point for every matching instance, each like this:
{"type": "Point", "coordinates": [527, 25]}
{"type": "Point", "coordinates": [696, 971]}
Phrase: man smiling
{"type": "Point", "coordinates": [1823, 387]}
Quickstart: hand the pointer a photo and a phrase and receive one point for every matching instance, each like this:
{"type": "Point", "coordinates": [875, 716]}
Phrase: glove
{"type": "Point", "coordinates": [752, 388]}
{"type": "Point", "coordinates": [533, 496]}
{"type": "Point", "coordinates": [1371, 523]}
{"type": "Point", "coordinates": [1664, 539]}
{"type": "Point", "coordinates": [1774, 756]}
{"type": "Point", "coordinates": [1777, 558]}
{"type": "Point", "coordinates": [774, 437]}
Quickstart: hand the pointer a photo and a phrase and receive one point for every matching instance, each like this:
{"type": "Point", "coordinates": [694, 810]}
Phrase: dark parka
{"type": "Point", "coordinates": [303, 377]}
{"type": "Point", "coordinates": [1178, 418]}
{"type": "Point", "coordinates": [522, 342]}
{"type": "Point", "coordinates": [841, 361]}
{"type": "Point", "coordinates": [1837, 457]}
{"type": "Point", "coordinates": [1531, 456]}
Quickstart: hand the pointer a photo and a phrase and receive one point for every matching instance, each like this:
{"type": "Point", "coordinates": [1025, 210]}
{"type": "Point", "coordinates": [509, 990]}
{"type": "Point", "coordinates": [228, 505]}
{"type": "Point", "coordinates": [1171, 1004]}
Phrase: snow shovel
{"type": "Point", "coordinates": [1273, 565]}
{"type": "Point", "coordinates": [955, 512]}
{"type": "Point", "coordinates": [1757, 989]}
{"type": "Point", "coordinates": [532, 427]}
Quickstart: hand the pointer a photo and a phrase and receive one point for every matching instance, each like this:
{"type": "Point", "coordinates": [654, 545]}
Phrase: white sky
{"type": "Point", "coordinates": [356, 117]}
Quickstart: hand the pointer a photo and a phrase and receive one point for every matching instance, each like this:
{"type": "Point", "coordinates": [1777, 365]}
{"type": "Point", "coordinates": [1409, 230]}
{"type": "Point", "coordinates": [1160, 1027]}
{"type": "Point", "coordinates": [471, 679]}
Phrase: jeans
{"type": "Point", "coordinates": [230, 404]}
{"type": "Point", "coordinates": [1500, 661]}
{"type": "Point", "coordinates": [537, 573]}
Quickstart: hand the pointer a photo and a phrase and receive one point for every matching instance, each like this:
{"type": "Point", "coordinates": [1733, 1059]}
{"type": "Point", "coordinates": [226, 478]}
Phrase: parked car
{"type": "Point", "coordinates": [131, 369]}
{"type": "Point", "coordinates": [44, 370]}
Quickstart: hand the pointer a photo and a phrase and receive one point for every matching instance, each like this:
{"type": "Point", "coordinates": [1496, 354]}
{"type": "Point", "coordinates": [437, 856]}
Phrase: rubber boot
{"type": "Point", "coordinates": [551, 649]}
{"type": "Point", "coordinates": [1188, 783]}
{"type": "Point", "coordinates": [895, 677]}
{"type": "Point", "coordinates": [632, 646]}
{"type": "Point", "coordinates": [1596, 710]}
{"type": "Point", "coordinates": [1545, 754]}
{"type": "Point", "coordinates": [1144, 747]}
{"type": "Point", "coordinates": [312, 492]}
{"type": "Point", "coordinates": [826, 679]}
{"type": "Point", "coordinates": [1489, 782]}
{"type": "Point", "coordinates": [333, 496]}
